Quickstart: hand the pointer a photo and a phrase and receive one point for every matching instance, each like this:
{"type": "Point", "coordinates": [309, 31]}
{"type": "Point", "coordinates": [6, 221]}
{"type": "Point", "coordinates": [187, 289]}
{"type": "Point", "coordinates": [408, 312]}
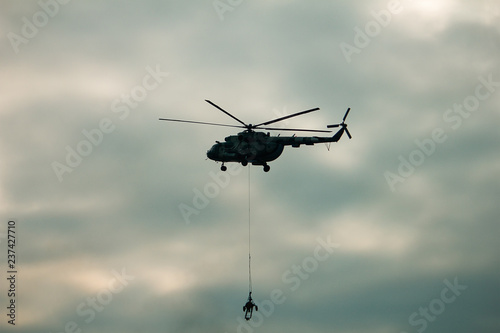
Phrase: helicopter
{"type": "Point", "coordinates": [259, 148]}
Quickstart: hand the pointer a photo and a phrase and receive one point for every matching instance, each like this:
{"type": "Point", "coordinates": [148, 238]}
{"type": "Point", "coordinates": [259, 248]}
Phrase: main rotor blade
{"type": "Point", "coordinates": [294, 129]}
{"type": "Point", "coordinates": [332, 126]}
{"type": "Point", "coordinates": [230, 115]}
{"type": "Point", "coordinates": [348, 134]}
{"type": "Point", "coordinates": [200, 122]}
{"type": "Point", "coordinates": [286, 117]}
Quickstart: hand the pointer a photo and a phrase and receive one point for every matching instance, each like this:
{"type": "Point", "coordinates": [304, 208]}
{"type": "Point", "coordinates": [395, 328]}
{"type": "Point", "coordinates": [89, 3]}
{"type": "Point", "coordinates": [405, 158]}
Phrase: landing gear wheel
{"type": "Point", "coordinates": [266, 168]}
{"type": "Point", "coordinates": [223, 167]}
{"type": "Point", "coordinates": [244, 163]}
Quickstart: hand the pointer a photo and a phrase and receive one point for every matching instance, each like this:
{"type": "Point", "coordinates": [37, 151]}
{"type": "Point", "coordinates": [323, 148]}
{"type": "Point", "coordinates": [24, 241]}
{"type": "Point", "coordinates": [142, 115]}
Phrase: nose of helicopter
{"type": "Point", "coordinates": [211, 153]}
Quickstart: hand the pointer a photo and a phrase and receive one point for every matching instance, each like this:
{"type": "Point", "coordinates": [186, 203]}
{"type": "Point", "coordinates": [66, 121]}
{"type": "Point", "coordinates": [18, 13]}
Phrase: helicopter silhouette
{"type": "Point", "coordinates": [258, 148]}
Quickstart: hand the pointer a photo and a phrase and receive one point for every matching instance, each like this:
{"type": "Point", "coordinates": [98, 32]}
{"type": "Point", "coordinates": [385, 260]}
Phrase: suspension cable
{"type": "Point", "coordinates": [249, 238]}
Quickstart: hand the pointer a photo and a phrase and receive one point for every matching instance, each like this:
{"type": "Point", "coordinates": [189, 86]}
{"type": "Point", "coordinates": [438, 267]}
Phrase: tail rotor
{"type": "Point", "coordinates": [343, 124]}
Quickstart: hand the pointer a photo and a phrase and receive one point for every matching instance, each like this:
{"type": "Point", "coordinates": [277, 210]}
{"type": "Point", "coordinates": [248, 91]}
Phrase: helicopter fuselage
{"type": "Point", "coordinates": [258, 148]}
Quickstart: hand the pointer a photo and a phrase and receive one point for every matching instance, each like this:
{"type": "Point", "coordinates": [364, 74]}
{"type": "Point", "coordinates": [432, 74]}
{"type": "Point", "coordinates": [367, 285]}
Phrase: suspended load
{"type": "Point", "coordinates": [248, 307]}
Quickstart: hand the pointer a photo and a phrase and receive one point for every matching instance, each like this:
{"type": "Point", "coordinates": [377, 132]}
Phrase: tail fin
{"type": "Point", "coordinates": [336, 137]}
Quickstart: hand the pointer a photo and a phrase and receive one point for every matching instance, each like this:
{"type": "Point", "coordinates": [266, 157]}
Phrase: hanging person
{"type": "Point", "coordinates": [248, 307]}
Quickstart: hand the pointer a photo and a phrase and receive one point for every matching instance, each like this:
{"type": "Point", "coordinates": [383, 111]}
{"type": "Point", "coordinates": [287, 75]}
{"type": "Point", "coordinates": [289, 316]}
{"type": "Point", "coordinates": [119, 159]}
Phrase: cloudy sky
{"type": "Point", "coordinates": [123, 225]}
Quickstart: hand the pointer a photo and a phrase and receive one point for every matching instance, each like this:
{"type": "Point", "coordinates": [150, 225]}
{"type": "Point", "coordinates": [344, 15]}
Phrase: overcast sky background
{"type": "Point", "coordinates": [118, 209]}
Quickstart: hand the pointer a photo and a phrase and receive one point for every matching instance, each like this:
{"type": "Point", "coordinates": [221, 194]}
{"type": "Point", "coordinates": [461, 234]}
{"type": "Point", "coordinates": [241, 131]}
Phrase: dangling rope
{"type": "Point", "coordinates": [249, 238]}
{"type": "Point", "coordinates": [249, 305]}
